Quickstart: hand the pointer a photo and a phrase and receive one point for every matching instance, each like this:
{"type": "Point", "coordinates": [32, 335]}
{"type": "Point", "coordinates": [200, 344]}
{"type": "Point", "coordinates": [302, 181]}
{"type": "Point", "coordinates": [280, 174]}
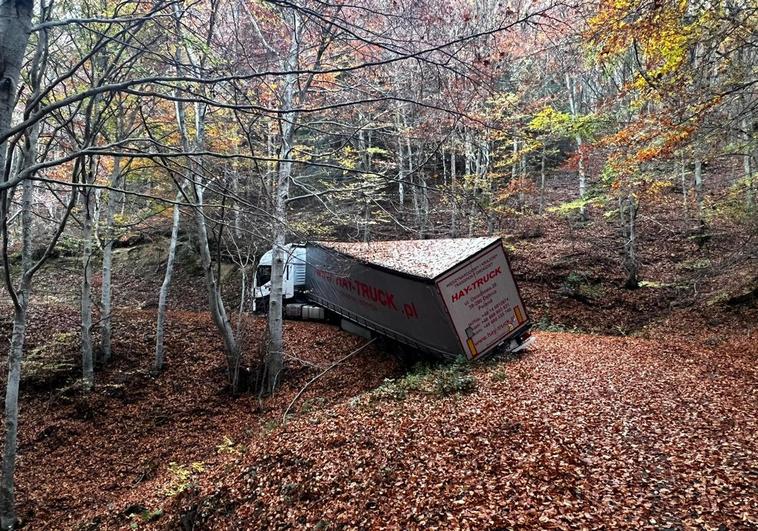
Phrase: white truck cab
{"type": "Point", "coordinates": [294, 275]}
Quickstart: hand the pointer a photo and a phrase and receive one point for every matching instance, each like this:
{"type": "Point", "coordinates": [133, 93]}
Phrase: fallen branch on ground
{"type": "Point", "coordinates": [329, 368]}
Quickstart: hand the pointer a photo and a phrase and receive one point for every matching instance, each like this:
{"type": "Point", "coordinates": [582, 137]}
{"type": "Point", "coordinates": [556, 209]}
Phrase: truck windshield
{"type": "Point", "coordinates": [263, 275]}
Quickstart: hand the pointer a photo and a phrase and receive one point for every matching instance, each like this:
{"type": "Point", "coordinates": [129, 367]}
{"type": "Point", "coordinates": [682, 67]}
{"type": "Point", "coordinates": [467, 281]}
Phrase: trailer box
{"type": "Point", "coordinates": [450, 297]}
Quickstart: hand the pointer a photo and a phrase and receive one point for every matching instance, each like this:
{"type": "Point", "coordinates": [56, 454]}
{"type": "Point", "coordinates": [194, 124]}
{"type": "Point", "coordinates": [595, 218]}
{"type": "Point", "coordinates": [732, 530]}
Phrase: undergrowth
{"type": "Point", "coordinates": [546, 324]}
{"type": "Point", "coordinates": [438, 380]}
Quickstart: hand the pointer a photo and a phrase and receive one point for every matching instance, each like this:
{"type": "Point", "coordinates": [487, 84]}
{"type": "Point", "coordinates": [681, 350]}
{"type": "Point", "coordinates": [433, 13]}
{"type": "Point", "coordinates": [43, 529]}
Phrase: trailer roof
{"type": "Point", "coordinates": [421, 258]}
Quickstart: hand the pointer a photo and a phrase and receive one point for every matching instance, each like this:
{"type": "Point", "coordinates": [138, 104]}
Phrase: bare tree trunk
{"type": "Point", "coordinates": [270, 164]}
{"type": "Point", "coordinates": [424, 205]}
{"type": "Point", "coordinates": [514, 164]}
{"type": "Point", "coordinates": [470, 180]}
{"type": "Point", "coordinates": [628, 211]}
{"type": "Point", "coordinates": [105, 297]}
{"type": "Point", "coordinates": [369, 154]}
{"type": "Point", "coordinates": [542, 180]}
{"type": "Point", "coordinates": [747, 128]}
{"type": "Point", "coordinates": [410, 172]}
{"type": "Point", "coordinates": [582, 178]}
{"type": "Point", "coordinates": [487, 186]}
{"type": "Point", "coordinates": [444, 166]}
{"type": "Point", "coordinates": [213, 288]}
{"type": "Point", "coordinates": [8, 514]}
{"type": "Point", "coordinates": [274, 361]}
{"type": "Point", "coordinates": [163, 296]}
{"type": "Point", "coordinates": [237, 211]}
{"type": "Point", "coordinates": [15, 26]}
{"type": "Point", "coordinates": [212, 284]}
{"type": "Point", "coordinates": [7, 497]}
{"type": "Point", "coordinates": [453, 198]}
{"type": "Point", "coordinates": [699, 192]}
{"type": "Point", "coordinates": [363, 145]}
{"type": "Point", "coordinates": [401, 161]}
{"type": "Point", "coordinates": [88, 376]}
{"type": "Point", "coordinates": [574, 106]}
{"type": "Point", "coordinates": [366, 217]}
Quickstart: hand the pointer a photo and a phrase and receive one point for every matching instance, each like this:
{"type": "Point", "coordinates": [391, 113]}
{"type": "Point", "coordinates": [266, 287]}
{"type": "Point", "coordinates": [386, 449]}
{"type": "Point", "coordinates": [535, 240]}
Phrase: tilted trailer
{"type": "Point", "coordinates": [449, 297]}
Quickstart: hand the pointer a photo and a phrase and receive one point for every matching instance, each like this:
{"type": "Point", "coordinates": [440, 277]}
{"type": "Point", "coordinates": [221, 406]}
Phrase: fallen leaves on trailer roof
{"type": "Point", "coordinates": [421, 258]}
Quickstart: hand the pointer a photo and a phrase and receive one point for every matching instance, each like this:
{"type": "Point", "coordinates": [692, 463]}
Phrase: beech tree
{"type": "Point", "coordinates": [15, 26]}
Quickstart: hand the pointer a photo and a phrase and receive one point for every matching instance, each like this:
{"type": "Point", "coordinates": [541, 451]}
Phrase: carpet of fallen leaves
{"type": "Point", "coordinates": [584, 431]}
{"type": "Point", "coordinates": [83, 457]}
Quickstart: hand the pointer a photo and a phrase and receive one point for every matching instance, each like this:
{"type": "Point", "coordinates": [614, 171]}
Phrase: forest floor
{"type": "Point", "coordinates": [635, 409]}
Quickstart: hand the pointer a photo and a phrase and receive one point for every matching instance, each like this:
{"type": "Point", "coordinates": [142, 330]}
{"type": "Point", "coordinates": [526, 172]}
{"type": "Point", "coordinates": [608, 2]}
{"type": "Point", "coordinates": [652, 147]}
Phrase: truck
{"type": "Point", "coordinates": [447, 297]}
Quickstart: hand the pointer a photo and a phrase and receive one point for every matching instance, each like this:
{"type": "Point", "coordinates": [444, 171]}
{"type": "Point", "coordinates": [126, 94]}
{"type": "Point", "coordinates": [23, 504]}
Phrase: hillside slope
{"type": "Point", "coordinates": [583, 431]}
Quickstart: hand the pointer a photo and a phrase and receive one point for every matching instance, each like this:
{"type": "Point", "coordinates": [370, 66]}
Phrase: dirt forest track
{"type": "Point", "coordinates": [583, 431]}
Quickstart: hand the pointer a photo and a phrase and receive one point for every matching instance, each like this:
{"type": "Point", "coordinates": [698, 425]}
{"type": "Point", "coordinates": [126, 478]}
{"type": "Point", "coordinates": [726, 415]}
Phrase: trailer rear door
{"type": "Point", "coordinates": [483, 301]}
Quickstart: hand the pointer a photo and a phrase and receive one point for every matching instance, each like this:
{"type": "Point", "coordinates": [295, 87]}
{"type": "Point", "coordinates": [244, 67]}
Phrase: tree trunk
{"type": "Point", "coordinates": [699, 192]}
{"type": "Point", "coordinates": [7, 497]}
{"type": "Point", "coordinates": [628, 210]}
{"type": "Point", "coordinates": [444, 166]}
{"type": "Point", "coordinates": [582, 178]}
{"type": "Point", "coordinates": [514, 164]}
{"type": "Point", "coordinates": [274, 361]}
{"type": "Point", "coordinates": [424, 206]}
{"type": "Point", "coordinates": [453, 198]}
{"type": "Point", "coordinates": [18, 335]}
{"type": "Point", "coordinates": [401, 162]}
{"type": "Point", "coordinates": [88, 376]}
{"type": "Point", "coordinates": [747, 128]}
{"type": "Point", "coordinates": [469, 180]}
{"type": "Point", "coordinates": [574, 107]}
{"type": "Point", "coordinates": [415, 201]}
{"type": "Point", "coordinates": [542, 180]}
{"type": "Point", "coordinates": [366, 218]}
{"type": "Point", "coordinates": [213, 288]}
{"type": "Point", "coordinates": [105, 296]}
{"type": "Point", "coordinates": [15, 25]}
{"type": "Point", "coordinates": [163, 296]}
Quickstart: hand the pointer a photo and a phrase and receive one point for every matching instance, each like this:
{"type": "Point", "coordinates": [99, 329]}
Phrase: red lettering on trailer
{"type": "Point", "coordinates": [479, 282]}
{"type": "Point", "coordinates": [371, 293]}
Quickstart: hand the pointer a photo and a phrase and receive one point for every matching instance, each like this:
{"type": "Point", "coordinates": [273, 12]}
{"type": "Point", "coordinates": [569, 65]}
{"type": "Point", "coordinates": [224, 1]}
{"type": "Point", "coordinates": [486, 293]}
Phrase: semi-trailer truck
{"type": "Point", "coordinates": [449, 297]}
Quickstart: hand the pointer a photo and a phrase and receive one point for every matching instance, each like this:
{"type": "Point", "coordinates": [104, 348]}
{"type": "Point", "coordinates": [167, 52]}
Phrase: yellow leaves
{"type": "Point", "coordinates": [549, 120]}
{"type": "Point", "coordinates": [301, 153]}
{"type": "Point", "coordinates": [658, 187]}
{"type": "Point", "coordinates": [660, 36]}
{"type": "Point", "coordinates": [349, 159]}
